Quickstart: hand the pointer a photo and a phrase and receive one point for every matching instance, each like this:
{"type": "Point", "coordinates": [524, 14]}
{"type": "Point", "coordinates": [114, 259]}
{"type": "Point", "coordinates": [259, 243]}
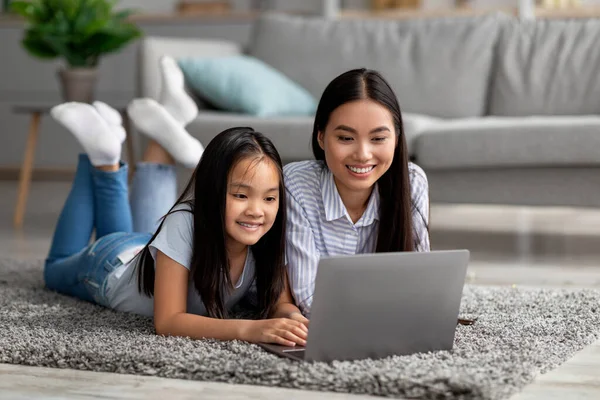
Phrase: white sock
{"type": "Point", "coordinates": [154, 121]}
{"type": "Point", "coordinates": [91, 130]}
{"type": "Point", "coordinates": [113, 118]}
{"type": "Point", "coordinates": [172, 93]}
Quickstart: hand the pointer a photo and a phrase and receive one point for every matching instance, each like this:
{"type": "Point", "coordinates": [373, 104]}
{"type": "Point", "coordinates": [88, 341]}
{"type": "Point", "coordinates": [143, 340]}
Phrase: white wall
{"type": "Point", "coordinates": [158, 6]}
{"type": "Point", "coordinates": [315, 5]}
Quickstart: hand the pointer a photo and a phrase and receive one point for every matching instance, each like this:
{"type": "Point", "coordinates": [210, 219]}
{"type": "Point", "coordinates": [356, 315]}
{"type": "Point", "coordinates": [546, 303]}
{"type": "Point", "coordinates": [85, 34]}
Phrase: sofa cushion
{"type": "Point", "coordinates": [436, 67]}
{"type": "Point", "coordinates": [526, 186]}
{"type": "Point", "coordinates": [245, 84]}
{"type": "Point", "coordinates": [547, 68]}
{"type": "Point", "coordinates": [290, 135]}
{"type": "Point", "coordinates": [413, 125]}
{"type": "Point", "coordinates": [510, 142]}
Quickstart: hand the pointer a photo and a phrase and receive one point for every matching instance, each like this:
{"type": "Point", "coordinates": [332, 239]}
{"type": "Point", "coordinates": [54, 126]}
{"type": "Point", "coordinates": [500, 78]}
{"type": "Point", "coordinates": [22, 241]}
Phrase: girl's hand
{"type": "Point", "coordinates": [283, 331]}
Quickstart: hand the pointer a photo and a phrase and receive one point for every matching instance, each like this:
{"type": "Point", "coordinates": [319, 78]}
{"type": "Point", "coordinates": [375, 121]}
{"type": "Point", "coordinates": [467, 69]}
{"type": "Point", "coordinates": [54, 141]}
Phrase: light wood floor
{"type": "Point", "coordinates": [556, 247]}
{"type": "Point", "coordinates": [20, 382]}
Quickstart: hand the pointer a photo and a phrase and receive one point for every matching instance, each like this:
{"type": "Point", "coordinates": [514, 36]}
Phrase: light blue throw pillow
{"type": "Point", "coordinates": [247, 85]}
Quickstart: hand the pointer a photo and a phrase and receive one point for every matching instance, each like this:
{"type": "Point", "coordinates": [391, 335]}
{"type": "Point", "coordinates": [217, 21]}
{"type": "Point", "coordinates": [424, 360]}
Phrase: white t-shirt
{"type": "Point", "coordinates": [175, 241]}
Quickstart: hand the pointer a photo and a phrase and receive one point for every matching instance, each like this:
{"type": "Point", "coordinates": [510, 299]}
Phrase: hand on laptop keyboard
{"type": "Point", "coordinates": [283, 331]}
{"type": "Point", "coordinates": [296, 316]}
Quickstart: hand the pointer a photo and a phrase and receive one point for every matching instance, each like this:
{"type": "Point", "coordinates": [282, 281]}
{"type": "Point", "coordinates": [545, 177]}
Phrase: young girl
{"type": "Point", "coordinates": [224, 234]}
{"type": "Point", "coordinates": [361, 195]}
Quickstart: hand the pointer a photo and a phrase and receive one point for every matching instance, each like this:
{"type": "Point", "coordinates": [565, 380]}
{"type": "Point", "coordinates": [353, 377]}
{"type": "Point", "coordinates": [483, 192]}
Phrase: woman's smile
{"type": "Point", "coordinates": [359, 170]}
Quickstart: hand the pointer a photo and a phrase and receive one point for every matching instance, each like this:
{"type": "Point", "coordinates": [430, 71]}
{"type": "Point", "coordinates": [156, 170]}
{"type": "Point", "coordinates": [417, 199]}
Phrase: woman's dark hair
{"type": "Point", "coordinates": [206, 195]}
{"type": "Point", "coordinates": [395, 219]}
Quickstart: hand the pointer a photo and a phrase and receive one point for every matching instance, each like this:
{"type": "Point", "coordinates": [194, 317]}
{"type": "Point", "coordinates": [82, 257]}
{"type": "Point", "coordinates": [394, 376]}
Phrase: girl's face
{"type": "Point", "coordinates": [359, 142]}
{"type": "Point", "coordinates": [252, 202]}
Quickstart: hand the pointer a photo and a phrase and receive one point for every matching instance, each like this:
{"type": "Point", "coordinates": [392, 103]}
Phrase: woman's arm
{"type": "Point", "coordinates": [419, 194]}
{"type": "Point", "coordinates": [302, 255]}
{"type": "Point", "coordinates": [171, 317]}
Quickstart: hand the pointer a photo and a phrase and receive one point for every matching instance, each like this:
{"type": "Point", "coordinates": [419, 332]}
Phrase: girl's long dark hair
{"type": "Point", "coordinates": [395, 219]}
{"type": "Point", "coordinates": [206, 194]}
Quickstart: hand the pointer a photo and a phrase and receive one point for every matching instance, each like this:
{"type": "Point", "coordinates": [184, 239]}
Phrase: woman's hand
{"type": "Point", "coordinates": [297, 316]}
{"type": "Point", "coordinates": [283, 331]}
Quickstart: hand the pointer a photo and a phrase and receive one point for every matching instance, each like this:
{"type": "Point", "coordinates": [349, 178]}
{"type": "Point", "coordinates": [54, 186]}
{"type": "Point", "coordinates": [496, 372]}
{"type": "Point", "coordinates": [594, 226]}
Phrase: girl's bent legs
{"type": "Point", "coordinates": [71, 258]}
{"type": "Point", "coordinates": [76, 221]}
{"type": "Point", "coordinates": [98, 199]}
{"type": "Point", "coordinates": [153, 193]}
{"type": "Point", "coordinates": [73, 229]}
{"type": "Point", "coordinates": [111, 201]}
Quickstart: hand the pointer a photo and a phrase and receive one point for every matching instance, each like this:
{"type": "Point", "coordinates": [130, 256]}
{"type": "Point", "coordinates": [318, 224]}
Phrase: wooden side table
{"type": "Point", "coordinates": [37, 111]}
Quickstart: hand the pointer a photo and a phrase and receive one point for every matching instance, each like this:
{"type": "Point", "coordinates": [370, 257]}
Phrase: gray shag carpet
{"type": "Point", "coordinates": [519, 334]}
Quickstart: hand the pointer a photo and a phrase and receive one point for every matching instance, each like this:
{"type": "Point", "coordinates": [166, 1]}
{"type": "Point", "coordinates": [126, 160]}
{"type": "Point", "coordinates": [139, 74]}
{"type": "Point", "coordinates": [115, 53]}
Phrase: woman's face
{"type": "Point", "coordinates": [359, 142]}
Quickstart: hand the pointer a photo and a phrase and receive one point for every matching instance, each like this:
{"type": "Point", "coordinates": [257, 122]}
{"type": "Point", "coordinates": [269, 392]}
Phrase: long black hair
{"type": "Point", "coordinates": [395, 221]}
{"type": "Point", "coordinates": [206, 195]}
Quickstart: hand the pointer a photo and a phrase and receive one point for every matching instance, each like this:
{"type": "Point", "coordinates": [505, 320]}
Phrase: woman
{"type": "Point", "coordinates": [361, 194]}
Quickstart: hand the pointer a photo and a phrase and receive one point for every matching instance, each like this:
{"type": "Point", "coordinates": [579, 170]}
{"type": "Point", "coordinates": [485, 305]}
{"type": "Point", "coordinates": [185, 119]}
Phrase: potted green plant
{"type": "Point", "coordinates": [78, 31]}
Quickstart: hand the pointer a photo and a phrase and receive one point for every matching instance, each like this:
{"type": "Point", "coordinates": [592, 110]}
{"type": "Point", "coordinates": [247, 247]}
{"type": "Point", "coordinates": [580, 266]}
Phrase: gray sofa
{"type": "Point", "coordinates": [495, 110]}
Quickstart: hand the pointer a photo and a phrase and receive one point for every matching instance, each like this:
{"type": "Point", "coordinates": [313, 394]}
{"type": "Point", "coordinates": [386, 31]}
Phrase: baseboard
{"type": "Point", "coordinates": [39, 174]}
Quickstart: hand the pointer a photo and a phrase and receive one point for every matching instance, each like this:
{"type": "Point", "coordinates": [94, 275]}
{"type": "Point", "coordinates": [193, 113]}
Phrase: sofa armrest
{"type": "Point", "coordinates": [153, 48]}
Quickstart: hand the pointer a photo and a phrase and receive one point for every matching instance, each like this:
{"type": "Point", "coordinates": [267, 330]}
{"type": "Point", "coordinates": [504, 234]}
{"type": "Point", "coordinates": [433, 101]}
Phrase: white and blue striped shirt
{"type": "Point", "coordinates": [319, 225]}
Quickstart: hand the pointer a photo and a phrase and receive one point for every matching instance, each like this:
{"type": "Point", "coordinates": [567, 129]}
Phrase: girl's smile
{"type": "Point", "coordinates": [250, 226]}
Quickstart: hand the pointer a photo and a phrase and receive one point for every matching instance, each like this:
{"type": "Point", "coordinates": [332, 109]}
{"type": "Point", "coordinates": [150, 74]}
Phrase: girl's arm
{"type": "Point", "coordinates": [172, 319]}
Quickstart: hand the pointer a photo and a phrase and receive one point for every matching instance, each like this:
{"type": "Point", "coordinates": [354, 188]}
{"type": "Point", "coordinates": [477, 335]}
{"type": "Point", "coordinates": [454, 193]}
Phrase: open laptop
{"type": "Point", "coordinates": [382, 304]}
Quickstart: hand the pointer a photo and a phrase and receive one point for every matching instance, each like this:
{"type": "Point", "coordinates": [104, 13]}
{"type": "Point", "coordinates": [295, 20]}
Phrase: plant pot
{"type": "Point", "coordinates": [78, 84]}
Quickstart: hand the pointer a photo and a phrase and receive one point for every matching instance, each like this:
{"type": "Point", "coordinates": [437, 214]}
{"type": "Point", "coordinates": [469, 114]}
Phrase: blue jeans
{"type": "Point", "coordinates": [99, 201]}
